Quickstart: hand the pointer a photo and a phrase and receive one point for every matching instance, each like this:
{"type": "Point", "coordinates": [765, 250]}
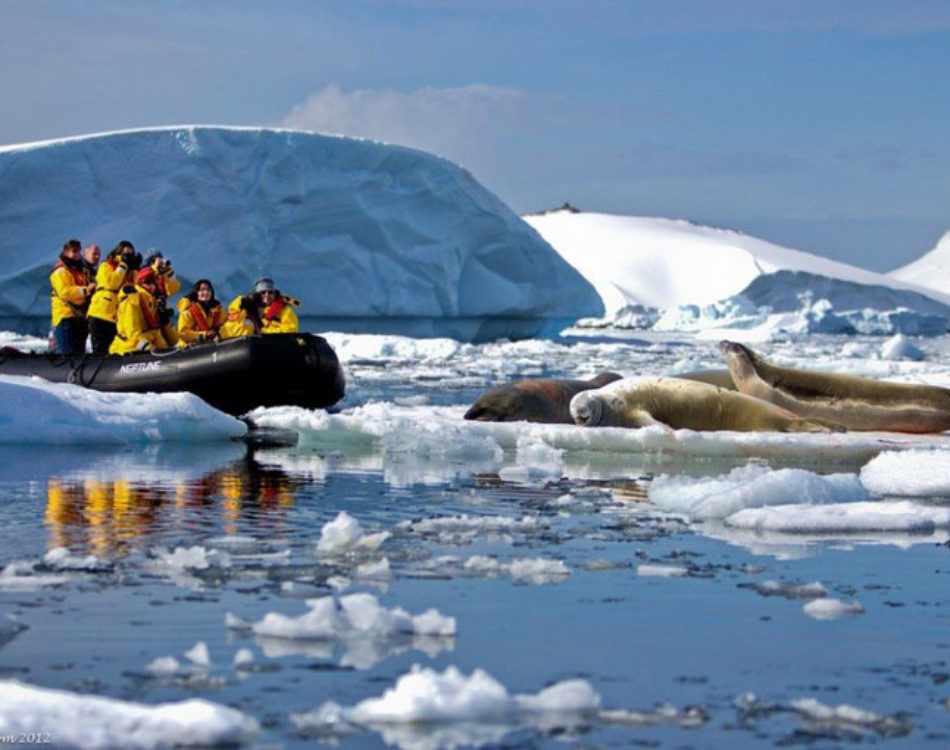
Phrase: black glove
{"type": "Point", "coordinates": [133, 260]}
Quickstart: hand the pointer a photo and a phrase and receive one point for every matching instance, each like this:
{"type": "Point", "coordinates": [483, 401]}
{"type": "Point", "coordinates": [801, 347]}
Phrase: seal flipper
{"type": "Point", "coordinates": [813, 425]}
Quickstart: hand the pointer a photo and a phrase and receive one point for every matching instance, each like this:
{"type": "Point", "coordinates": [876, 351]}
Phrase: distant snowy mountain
{"type": "Point", "coordinates": [931, 270]}
{"type": "Point", "coordinates": [370, 237]}
{"type": "Point", "coordinates": [695, 277]}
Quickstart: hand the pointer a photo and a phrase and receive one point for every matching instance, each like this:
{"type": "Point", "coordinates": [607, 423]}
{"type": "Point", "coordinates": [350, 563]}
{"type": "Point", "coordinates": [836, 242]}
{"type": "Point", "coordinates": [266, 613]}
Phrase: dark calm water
{"type": "Point", "coordinates": [248, 518]}
{"type": "Point", "coordinates": [702, 640]}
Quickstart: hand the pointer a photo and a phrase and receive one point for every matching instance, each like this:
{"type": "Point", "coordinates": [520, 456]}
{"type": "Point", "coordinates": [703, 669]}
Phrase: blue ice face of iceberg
{"type": "Point", "coordinates": [370, 237]}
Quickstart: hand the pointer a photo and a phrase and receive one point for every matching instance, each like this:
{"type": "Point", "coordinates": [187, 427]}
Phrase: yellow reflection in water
{"type": "Point", "coordinates": [109, 518]}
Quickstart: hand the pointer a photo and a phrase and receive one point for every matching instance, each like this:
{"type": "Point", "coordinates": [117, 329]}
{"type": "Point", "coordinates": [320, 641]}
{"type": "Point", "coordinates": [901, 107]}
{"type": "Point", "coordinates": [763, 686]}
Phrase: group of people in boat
{"type": "Point", "coordinates": [122, 304]}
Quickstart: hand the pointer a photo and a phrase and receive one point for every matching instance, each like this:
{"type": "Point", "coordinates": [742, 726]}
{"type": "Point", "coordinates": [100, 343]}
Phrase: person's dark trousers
{"type": "Point", "coordinates": [101, 333]}
{"type": "Point", "coordinates": [70, 336]}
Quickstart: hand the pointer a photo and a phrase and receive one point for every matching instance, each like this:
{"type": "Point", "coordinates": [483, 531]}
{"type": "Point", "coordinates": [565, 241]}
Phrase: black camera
{"type": "Point", "coordinates": [133, 259]}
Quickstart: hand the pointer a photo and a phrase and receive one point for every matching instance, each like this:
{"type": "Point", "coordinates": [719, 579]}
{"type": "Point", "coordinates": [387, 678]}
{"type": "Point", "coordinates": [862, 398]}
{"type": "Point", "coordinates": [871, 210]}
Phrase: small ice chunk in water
{"type": "Point", "coordinates": [831, 609]}
{"type": "Point", "coordinates": [198, 654]}
{"type": "Point", "coordinates": [424, 695]}
{"type": "Point", "coordinates": [163, 665]}
{"type": "Point", "coordinates": [661, 571]}
{"type": "Point", "coordinates": [243, 658]}
{"type": "Point", "coordinates": [344, 533]}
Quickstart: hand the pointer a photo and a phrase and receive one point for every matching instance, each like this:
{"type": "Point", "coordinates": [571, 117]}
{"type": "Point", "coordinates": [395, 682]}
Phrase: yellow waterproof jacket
{"type": "Point", "coordinates": [112, 275]}
{"type": "Point", "coordinates": [238, 322]}
{"type": "Point", "coordinates": [68, 298]}
{"type": "Point", "coordinates": [195, 325]}
{"type": "Point", "coordinates": [280, 317]}
{"type": "Point", "coordinates": [137, 323]}
{"type": "Point", "coordinates": [167, 283]}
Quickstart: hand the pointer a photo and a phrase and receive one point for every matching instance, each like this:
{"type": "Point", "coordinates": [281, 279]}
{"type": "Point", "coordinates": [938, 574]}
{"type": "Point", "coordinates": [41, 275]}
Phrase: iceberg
{"type": "Point", "coordinates": [372, 238]}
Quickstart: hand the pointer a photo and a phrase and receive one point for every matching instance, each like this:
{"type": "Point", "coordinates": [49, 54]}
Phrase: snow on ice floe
{"type": "Point", "coordinates": [73, 720]}
{"type": "Point", "coordinates": [917, 473]}
{"type": "Point", "coordinates": [843, 518]}
{"type": "Point", "coordinates": [831, 609]}
{"type": "Point", "coordinates": [464, 529]}
{"type": "Point", "coordinates": [763, 511]}
{"type": "Point", "coordinates": [367, 630]}
{"type": "Point", "coordinates": [58, 566]}
{"type": "Point", "coordinates": [750, 486]}
{"type": "Point", "coordinates": [354, 614]}
{"type": "Point", "coordinates": [537, 570]}
{"type": "Point", "coordinates": [435, 444]}
{"type": "Point", "coordinates": [822, 721]}
{"type": "Point", "coordinates": [451, 709]}
{"type": "Point", "coordinates": [37, 411]}
{"type": "Point", "coordinates": [344, 534]}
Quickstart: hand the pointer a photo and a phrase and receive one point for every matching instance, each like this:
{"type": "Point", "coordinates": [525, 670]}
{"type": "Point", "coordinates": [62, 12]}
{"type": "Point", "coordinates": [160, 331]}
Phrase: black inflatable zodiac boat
{"type": "Point", "coordinates": [234, 375]}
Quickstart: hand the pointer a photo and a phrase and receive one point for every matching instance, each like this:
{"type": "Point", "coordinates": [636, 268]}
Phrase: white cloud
{"type": "Point", "coordinates": [458, 123]}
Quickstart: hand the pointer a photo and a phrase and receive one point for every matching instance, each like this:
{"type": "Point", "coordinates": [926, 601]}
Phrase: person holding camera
{"type": "Point", "coordinates": [166, 286]}
{"type": "Point", "coordinates": [265, 310]}
{"type": "Point", "coordinates": [139, 325]}
{"type": "Point", "coordinates": [116, 271]}
{"type": "Point", "coordinates": [71, 287]}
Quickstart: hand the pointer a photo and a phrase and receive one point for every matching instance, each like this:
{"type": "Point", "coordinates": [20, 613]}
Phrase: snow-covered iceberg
{"type": "Point", "coordinates": [370, 237]}
{"type": "Point", "coordinates": [674, 275]}
{"type": "Point", "coordinates": [931, 270]}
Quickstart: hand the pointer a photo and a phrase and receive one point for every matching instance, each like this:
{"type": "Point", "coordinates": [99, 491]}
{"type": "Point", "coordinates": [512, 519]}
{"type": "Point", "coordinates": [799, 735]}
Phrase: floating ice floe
{"type": "Point", "coordinates": [789, 590]}
{"type": "Point", "coordinates": [648, 570]}
{"type": "Point", "coordinates": [434, 444]}
{"type": "Point", "coordinates": [901, 347]}
{"type": "Point", "coordinates": [823, 721]}
{"type": "Point", "coordinates": [523, 570]}
{"type": "Point", "coordinates": [88, 721]}
{"type": "Point", "coordinates": [832, 609]}
{"type": "Point", "coordinates": [367, 630]}
{"type": "Point", "coordinates": [464, 529]}
{"type": "Point", "coordinates": [354, 614]}
{"type": "Point", "coordinates": [37, 411]}
{"type": "Point", "coordinates": [425, 704]}
{"type": "Point", "coordinates": [751, 486]}
{"type": "Point", "coordinates": [915, 473]}
{"type": "Point", "coordinates": [344, 534]}
{"type": "Point", "coordinates": [844, 518]}
{"type": "Point", "coordinates": [850, 717]}
{"type": "Point", "coordinates": [198, 655]}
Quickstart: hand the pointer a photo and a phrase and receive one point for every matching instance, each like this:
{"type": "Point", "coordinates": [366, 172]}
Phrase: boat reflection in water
{"type": "Point", "coordinates": [110, 516]}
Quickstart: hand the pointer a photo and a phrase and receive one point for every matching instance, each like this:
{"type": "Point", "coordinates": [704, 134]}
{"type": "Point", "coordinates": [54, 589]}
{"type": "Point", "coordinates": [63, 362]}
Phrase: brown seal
{"type": "Point", "coordinates": [684, 404]}
{"type": "Point", "coordinates": [543, 400]}
{"type": "Point", "coordinates": [855, 402]}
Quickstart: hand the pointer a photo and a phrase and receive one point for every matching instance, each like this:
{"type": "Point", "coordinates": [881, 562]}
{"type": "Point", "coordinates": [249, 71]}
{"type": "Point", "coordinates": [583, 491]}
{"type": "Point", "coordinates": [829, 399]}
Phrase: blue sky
{"type": "Point", "coordinates": [819, 125]}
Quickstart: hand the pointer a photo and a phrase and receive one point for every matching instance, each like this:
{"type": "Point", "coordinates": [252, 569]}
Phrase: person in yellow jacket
{"type": "Point", "coordinates": [116, 271]}
{"type": "Point", "coordinates": [71, 287]}
{"type": "Point", "coordinates": [264, 311]}
{"type": "Point", "coordinates": [200, 315]}
{"type": "Point", "coordinates": [166, 286]}
{"type": "Point", "coordinates": [138, 324]}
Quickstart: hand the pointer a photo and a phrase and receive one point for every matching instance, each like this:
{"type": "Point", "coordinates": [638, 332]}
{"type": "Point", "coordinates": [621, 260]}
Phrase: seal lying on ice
{"type": "Point", "coordinates": [855, 402]}
{"type": "Point", "coordinates": [545, 400]}
{"type": "Point", "coordinates": [684, 404]}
